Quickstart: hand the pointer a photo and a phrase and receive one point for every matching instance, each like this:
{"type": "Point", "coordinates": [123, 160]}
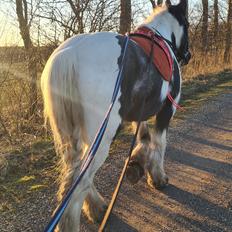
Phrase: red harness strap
{"type": "Point", "coordinates": [174, 102]}
{"type": "Point", "coordinates": [162, 58]}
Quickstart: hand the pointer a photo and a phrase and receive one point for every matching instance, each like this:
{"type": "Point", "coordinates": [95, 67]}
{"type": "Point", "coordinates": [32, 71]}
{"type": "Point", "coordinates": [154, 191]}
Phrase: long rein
{"type": "Point", "coordinates": [122, 176]}
{"type": "Point", "coordinates": [94, 147]}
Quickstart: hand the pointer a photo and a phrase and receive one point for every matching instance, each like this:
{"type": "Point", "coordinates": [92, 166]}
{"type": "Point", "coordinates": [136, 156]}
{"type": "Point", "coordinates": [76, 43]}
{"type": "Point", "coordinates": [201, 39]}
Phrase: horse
{"type": "Point", "coordinates": [77, 84]}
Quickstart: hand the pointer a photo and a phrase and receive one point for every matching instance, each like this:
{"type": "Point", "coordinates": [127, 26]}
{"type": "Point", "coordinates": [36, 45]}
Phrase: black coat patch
{"type": "Point", "coordinates": [138, 84]}
{"type": "Point", "coordinates": [164, 116]}
{"type": "Point", "coordinates": [182, 52]}
{"type": "Point", "coordinates": [178, 13]}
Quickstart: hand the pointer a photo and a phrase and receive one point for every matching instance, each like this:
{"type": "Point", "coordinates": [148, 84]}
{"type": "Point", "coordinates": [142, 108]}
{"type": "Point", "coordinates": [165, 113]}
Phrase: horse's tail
{"type": "Point", "coordinates": [64, 111]}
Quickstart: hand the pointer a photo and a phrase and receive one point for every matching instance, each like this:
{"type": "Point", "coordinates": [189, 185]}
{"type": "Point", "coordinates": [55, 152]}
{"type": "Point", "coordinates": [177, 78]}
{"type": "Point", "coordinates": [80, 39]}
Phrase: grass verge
{"type": "Point", "coordinates": [33, 167]}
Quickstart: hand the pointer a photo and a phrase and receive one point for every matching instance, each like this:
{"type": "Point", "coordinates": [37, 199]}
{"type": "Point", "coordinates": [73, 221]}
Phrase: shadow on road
{"type": "Point", "coordinates": [116, 224]}
{"type": "Point", "coordinates": [206, 142]}
{"type": "Point", "coordinates": [215, 167]}
{"type": "Point", "coordinates": [201, 206]}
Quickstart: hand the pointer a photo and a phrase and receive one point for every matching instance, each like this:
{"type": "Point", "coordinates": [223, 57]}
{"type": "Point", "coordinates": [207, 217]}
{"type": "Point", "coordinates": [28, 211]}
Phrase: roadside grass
{"type": "Point", "coordinates": [199, 90]}
{"type": "Point", "coordinates": [205, 64]}
{"type": "Point", "coordinates": [32, 168]}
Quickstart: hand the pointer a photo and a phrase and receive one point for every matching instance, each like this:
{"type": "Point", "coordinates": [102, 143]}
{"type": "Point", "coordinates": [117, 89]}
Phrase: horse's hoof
{"type": "Point", "coordinates": [98, 218]}
{"type": "Point", "coordinates": [159, 184]}
{"type": "Point", "coordinates": [95, 212]}
{"type": "Point", "coordinates": [134, 172]}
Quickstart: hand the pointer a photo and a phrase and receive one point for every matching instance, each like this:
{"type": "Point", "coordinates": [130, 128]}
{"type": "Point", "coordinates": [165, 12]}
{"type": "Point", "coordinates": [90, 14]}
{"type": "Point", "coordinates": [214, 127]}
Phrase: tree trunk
{"type": "Point", "coordinates": [216, 14]}
{"type": "Point", "coordinates": [125, 16]}
{"type": "Point", "coordinates": [216, 30]}
{"type": "Point", "coordinates": [228, 33]}
{"type": "Point", "coordinates": [78, 9]}
{"type": "Point", "coordinates": [22, 14]}
{"type": "Point", "coordinates": [204, 30]}
{"type": "Point", "coordinates": [32, 68]}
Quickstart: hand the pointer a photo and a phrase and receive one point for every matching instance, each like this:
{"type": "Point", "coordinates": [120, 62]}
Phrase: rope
{"type": "Point", "coordinates": [93, 149]}
{"type": "Point", "coordinates": [172, 100]}
{"type": "Point", "coordinates": [122, 176]}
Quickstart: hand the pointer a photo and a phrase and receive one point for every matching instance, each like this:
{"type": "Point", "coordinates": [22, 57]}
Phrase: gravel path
{"type": "Point", "coordinates": [198, 198]}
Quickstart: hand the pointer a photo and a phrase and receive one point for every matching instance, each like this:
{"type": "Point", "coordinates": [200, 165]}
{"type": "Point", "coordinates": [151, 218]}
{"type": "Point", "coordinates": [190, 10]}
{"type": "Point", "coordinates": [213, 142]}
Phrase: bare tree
{"type": "Point", "coordinates": [78, 16]}
{"type": "Point", "coordinates": [204, 29]}
{"type": "Point", "coordinates": [125, 16]}
{"type": "Point", "coordinates": [78, 7]}
{"type": "Point", "coordinates": [24, 26]}
{"type": "Point", "coordinates": [228, 33]}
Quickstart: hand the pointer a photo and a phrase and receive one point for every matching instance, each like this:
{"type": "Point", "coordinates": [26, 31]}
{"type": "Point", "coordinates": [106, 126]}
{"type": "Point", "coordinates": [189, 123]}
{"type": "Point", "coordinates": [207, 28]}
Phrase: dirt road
{"type": "Point", "coordinates": [199, 165]}
{"type": "Point", "coordinates": [198, 198]}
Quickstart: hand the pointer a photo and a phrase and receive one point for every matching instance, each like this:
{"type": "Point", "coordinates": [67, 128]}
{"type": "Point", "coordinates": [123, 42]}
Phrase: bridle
{"type": "Point", "coordinates": [182, 58]}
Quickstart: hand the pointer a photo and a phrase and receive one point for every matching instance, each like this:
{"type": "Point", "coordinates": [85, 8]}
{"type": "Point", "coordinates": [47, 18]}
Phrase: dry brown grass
{"type": "Point", "coordinates": [205, 64]}
{"type": "Point", "coordinates": [17, 128]}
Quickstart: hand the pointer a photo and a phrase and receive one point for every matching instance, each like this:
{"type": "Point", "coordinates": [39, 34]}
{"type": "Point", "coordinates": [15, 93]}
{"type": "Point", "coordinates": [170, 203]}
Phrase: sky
{"type": "Point", "coordinates": [9, 32]}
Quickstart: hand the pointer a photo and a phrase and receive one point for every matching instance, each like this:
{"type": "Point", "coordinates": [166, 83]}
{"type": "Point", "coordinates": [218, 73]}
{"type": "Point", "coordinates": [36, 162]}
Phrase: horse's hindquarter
{"type": "Point", "coordinates": [95, 60]}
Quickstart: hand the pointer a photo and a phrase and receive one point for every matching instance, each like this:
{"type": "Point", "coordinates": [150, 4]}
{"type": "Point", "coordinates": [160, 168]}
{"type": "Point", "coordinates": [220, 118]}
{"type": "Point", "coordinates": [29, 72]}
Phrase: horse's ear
{"type": "Point", "coordinates": [168, 3]}
{"type": "Point", "coordinates": [183, 5]}
{"type": "Point", "coordinates": [164, 2]}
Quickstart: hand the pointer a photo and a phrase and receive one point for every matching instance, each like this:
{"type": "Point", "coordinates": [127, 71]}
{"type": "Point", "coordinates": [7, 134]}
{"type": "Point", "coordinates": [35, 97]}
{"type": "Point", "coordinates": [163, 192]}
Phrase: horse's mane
{"type": "Point", "coordinates": [156, 11]}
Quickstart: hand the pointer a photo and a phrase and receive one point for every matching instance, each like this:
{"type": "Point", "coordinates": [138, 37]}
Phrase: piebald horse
{"type": "Point", "coordinates": [77, 85]}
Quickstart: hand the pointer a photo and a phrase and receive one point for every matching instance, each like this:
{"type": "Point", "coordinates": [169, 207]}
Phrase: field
{"type": "Point", "coordinates": [28, 164]}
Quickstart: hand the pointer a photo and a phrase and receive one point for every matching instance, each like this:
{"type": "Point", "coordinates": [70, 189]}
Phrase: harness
{"type": "Point", "coordinates": [154, 39]}
{"type": "Point", "coordinates": [162, 58]}
{"type": "Point", "coordinates": [156, 48]}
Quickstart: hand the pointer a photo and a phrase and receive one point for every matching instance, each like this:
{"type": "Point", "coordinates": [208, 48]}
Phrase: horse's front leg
{"type": "Point", "coordinates": [137, 166]}
{"type": "Point", "coordinates": [155, 166]}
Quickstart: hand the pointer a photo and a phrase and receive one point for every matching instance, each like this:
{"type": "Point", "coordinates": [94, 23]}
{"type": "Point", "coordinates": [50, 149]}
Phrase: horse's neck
{"type": "Point", "coordinates": [162, 26]}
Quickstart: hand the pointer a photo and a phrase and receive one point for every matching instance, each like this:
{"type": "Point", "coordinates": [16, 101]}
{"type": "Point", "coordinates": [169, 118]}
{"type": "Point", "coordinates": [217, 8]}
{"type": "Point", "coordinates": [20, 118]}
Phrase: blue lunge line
{"type": "Point", "coordinates": [93, 149]}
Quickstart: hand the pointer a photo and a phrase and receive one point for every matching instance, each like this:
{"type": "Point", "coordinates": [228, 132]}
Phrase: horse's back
{"type": "Point", "coordinates": [98, 68]}
{"type": "Point", "coordinates": [81, 73]}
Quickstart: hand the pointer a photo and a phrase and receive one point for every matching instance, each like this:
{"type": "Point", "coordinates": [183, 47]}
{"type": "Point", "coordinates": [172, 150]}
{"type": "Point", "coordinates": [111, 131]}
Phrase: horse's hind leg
{"type": "Point", "coordinates": [85, 196]}
{"type": "Point", "coordinates": [70, 221]}
{"type": "Point", "coordinates": [94, 205]}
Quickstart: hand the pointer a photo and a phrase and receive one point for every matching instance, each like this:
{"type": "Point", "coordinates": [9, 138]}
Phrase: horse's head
{"type": "Point", "coordinates": [179, 37]}
{"type": "Point", "coordinates": [171, 22]}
